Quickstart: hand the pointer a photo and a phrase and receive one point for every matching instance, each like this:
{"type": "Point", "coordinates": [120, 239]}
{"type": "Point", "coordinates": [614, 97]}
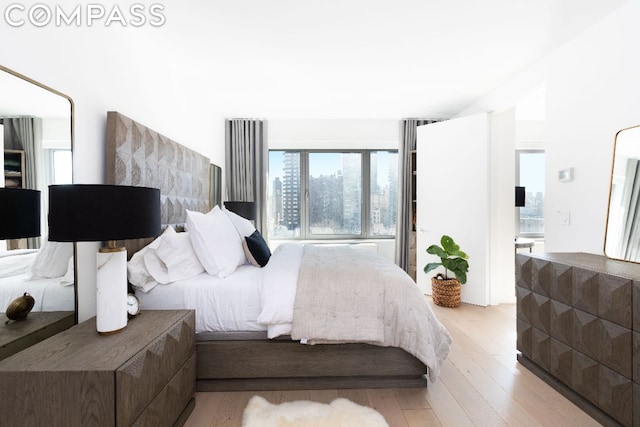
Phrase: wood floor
{"type": "Point", "coordinates": [480, 384]}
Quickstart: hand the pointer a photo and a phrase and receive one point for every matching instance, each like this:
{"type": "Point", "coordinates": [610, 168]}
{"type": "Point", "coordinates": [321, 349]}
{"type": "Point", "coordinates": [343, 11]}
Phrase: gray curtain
{"type": "Point", "coordinates": [404, 221]}
{"type": "Point", "coordinates": [246, 165]}
{"type": "Point", "coordinates": [25, 133]}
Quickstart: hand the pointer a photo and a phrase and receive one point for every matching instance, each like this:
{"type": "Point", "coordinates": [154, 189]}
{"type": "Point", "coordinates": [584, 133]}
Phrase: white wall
{"type": "Point", "coordinates": [126, 70]}
{"type": "Point", "coordinates": [334, 133]}
{"type": "Point", "coordinates": [592, 89]}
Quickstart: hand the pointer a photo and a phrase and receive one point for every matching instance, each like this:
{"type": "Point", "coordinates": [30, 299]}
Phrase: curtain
{"type": "Point", "coordinates": [246, 165]}
{"type": "Point", "coordinates": [25, 133]}
{"type": "Point", "coordinates": [404, 221]}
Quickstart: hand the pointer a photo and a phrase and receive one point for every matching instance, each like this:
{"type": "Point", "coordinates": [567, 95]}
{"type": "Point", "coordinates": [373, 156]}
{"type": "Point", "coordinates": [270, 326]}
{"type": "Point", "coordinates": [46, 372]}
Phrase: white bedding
{"type": "Point", "coordinates": [255, 299]}
{"type": "Point", "coordinates": [50, 294]}
{"type": "Point", "coordinates": [229, 304]}
{"type": "Point", "coordinates": [16, 262]}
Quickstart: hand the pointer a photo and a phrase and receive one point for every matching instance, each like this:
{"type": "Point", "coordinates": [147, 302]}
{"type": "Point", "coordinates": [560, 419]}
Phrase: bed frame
{"type": "Point", "coordinates": [137, 155]}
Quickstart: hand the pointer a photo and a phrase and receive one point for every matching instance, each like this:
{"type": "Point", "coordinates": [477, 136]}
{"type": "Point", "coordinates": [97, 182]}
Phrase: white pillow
{"type": "Point", "coordinates": [52, 259]}
{"type": "Point", "coordinates": [216, 242]}
{"type": "Point", "coordinates": [243, 226]}
{"type": "Point", "coordinates": [137, 272]}
{"type": "Point", "coordinates": [16, 261]}
{"type": "Point", "coordinates": [173, 259]}
{"type": "Point", "coordinates": [69, 277]}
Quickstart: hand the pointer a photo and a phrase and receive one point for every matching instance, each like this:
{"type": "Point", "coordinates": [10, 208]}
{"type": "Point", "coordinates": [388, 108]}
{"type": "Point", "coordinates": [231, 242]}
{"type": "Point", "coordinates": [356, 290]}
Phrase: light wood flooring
{"type": "Point", "coordinates": [480, 384]}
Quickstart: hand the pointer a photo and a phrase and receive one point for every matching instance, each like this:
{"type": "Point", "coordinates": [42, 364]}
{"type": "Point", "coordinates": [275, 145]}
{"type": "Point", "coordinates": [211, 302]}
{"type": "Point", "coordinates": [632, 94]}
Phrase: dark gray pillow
{"type": "Point", "coordinates": [256, 249]}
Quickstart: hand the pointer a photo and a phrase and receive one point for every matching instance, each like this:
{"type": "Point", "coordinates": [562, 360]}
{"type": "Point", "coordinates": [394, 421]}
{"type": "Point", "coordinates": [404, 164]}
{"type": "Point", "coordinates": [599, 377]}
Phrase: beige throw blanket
{"type": "Point", "coordinates": [351, 295]}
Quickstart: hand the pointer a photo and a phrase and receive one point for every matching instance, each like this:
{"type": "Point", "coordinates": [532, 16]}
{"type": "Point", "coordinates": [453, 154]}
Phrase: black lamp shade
{"type": "Point", "coordinates": [520, 193]}
{"type": "Point", "coordinates": [19, 213]}
{"type": "Point", "coordinates": [244, 209]}
{"type": "Point", "coordinates": [94, 212]}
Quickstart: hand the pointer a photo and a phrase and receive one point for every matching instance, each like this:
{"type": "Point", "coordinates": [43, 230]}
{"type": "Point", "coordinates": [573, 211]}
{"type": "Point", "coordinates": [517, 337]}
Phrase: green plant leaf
{"type": "Point", "coordinates": [437, 251]}
{"type": "Point", "coordinates": [460, 254]}
{"type": "Point", "coordinates": [449, 245]}
{"type": "Point", "coordinates": [432, 266]}
{"type": "Point", "coordinates": [452, 259]}
{"type": "Point", "coordinates": [462, 277]}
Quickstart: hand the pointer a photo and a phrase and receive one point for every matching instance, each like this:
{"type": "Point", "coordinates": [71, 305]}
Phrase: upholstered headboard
{"type": "Point", "coordinates": [139, 156]}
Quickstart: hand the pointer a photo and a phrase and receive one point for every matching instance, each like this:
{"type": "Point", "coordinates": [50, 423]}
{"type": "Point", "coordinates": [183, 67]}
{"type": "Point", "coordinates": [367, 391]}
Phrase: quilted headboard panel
{"type": "Point", "coordinates": [139, 156]}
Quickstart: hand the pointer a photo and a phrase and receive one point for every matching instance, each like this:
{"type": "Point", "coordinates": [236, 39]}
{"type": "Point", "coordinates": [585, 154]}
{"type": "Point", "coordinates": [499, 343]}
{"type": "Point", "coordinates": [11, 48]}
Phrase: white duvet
{"type": "Point", "coordinates": [255, 299]}
{"type": "Point", "coordinates": [50, 294]}
{"type": "Point", "coordinates": [251, 299]}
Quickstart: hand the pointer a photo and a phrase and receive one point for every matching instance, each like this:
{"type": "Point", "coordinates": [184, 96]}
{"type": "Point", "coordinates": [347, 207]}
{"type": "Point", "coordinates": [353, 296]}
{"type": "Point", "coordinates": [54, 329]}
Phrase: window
{"type": "Point", "coordinates": [62, 169]}
{"type": "Point", "coordinates": [332, 194]}
{"type": "Point", "coordinates": [530, 175]}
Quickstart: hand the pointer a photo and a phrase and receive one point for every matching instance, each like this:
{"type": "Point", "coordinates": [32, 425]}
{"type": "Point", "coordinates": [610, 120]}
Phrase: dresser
{"type": "Point", "coordinates": [142, 376]}
{"type": "Point", "coordinates": [578, 323]}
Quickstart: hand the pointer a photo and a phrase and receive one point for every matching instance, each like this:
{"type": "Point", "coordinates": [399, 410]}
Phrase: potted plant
{"type": "Point", "coordinates": [446, 287]}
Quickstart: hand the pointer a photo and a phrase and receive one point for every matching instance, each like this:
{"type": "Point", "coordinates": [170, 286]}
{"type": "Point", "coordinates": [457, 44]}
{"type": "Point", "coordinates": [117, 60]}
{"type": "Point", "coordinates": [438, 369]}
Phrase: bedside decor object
{"type": "Point", "coordinates": [246, 210]}
{"type": "Point", "coordinates": [95, 212]}
{"type": "Point", "coordinates": [445, 289]}
{"type": "Point", "coordinates": [133, 306]}
{"type": "Point", "coordinates": [520, 197]}
{"type": "Point", "coordinates": [20, 308]}
{"type": "Point", "coordinates": [19, 213]}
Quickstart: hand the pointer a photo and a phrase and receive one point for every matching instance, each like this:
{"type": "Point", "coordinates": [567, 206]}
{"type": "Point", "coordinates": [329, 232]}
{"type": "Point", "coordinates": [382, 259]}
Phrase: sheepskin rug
{"type": "Point", "coordinates": [303, 413]}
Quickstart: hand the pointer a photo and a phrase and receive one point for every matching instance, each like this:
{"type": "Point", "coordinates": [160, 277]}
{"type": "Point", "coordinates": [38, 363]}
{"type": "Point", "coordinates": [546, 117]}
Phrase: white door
{"type": "Point", "coordinates": [465, 188]}
{"type": "Point", "coordinates": [452, 197]}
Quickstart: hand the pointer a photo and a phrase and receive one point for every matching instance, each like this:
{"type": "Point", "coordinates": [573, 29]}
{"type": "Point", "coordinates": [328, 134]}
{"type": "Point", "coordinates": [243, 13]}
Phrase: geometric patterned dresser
{"type": "Point", "coordinates": [578, 323]}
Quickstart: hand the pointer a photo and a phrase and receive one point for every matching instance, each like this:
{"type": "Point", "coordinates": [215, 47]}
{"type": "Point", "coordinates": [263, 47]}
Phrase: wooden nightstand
{"type": "Point", "coordinates": [144, 375]}
{"type": "Point", "coordinates": [18, 335]}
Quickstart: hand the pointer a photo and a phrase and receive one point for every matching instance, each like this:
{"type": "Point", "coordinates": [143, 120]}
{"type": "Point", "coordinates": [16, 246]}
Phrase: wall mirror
{"type": "Point", "coordinates": [622, 238]}
{"type": "Point", "coordinates": [36, 131]}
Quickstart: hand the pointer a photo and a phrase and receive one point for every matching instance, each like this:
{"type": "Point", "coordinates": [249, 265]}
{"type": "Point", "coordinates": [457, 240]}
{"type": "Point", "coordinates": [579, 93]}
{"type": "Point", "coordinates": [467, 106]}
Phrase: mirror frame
{"type": "Point", "coordinates": [611, 177]}
{"type": "Point", "coordinates": [72, 125]}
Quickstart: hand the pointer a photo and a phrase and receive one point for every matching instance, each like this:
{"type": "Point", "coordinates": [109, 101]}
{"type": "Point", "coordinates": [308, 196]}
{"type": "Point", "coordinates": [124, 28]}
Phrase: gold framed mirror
{"type": "Point", "coordinates": [36, 131]}
{"type": "Point", "coordinates": [622, 235]}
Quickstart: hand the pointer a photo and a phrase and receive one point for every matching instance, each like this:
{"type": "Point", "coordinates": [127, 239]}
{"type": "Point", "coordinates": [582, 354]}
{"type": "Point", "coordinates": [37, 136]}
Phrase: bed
{"type": "Point", "coordinates": [263, 327]}
{"type": "Point", "coordinates": [34, 271]}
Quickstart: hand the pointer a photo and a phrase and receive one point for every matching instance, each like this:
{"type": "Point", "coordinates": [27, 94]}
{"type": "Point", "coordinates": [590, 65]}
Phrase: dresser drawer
{"type": "Point", "coordinates": [172, 399]}
{"type": "Point", "coordinates": [142, 378]}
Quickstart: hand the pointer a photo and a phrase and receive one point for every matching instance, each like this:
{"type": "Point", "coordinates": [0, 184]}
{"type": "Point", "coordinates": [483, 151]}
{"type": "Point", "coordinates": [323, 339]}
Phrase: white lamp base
{"type": "Point", "coordinates": [111, 290]}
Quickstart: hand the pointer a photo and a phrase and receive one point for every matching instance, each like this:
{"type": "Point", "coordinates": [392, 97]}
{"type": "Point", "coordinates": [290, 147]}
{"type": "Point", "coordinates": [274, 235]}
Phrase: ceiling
{"type": "Point", "coordinates": [374, 58]}
{"type": "Point", "coordinates": [351, 58]}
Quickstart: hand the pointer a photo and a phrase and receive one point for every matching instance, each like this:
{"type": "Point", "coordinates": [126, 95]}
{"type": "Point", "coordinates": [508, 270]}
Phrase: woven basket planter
{"type": "Point", "coordinates": [445, 292]}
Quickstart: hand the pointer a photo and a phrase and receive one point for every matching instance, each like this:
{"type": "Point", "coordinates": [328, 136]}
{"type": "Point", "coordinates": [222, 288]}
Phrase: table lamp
{"type": "Point", "coordinates": [19, 213]}
{"type": "Point", "coordinates": [246, 210]}
{"type": "Point", "coordinates": [520, 196]}
{"type": "Point", "coordinates": [96, 212]}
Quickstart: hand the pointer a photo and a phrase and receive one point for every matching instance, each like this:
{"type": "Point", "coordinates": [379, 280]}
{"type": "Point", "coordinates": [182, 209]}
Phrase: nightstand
{"type": "Point", "coordinates": [144, 375]}
{"type": "Point", "coordinates": [18, 335]}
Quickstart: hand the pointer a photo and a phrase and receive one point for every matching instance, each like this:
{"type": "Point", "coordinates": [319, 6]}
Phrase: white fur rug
{"type": "Point", "coordinates": [303, 413]}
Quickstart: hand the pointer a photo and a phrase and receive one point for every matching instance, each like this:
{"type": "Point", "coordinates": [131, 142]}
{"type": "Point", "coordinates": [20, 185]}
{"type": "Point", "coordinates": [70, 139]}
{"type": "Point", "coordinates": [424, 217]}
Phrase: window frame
{"type": "Point", "coordinates": [365, 206]}
{"type": "Point", "coordinates": [531, 235]}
